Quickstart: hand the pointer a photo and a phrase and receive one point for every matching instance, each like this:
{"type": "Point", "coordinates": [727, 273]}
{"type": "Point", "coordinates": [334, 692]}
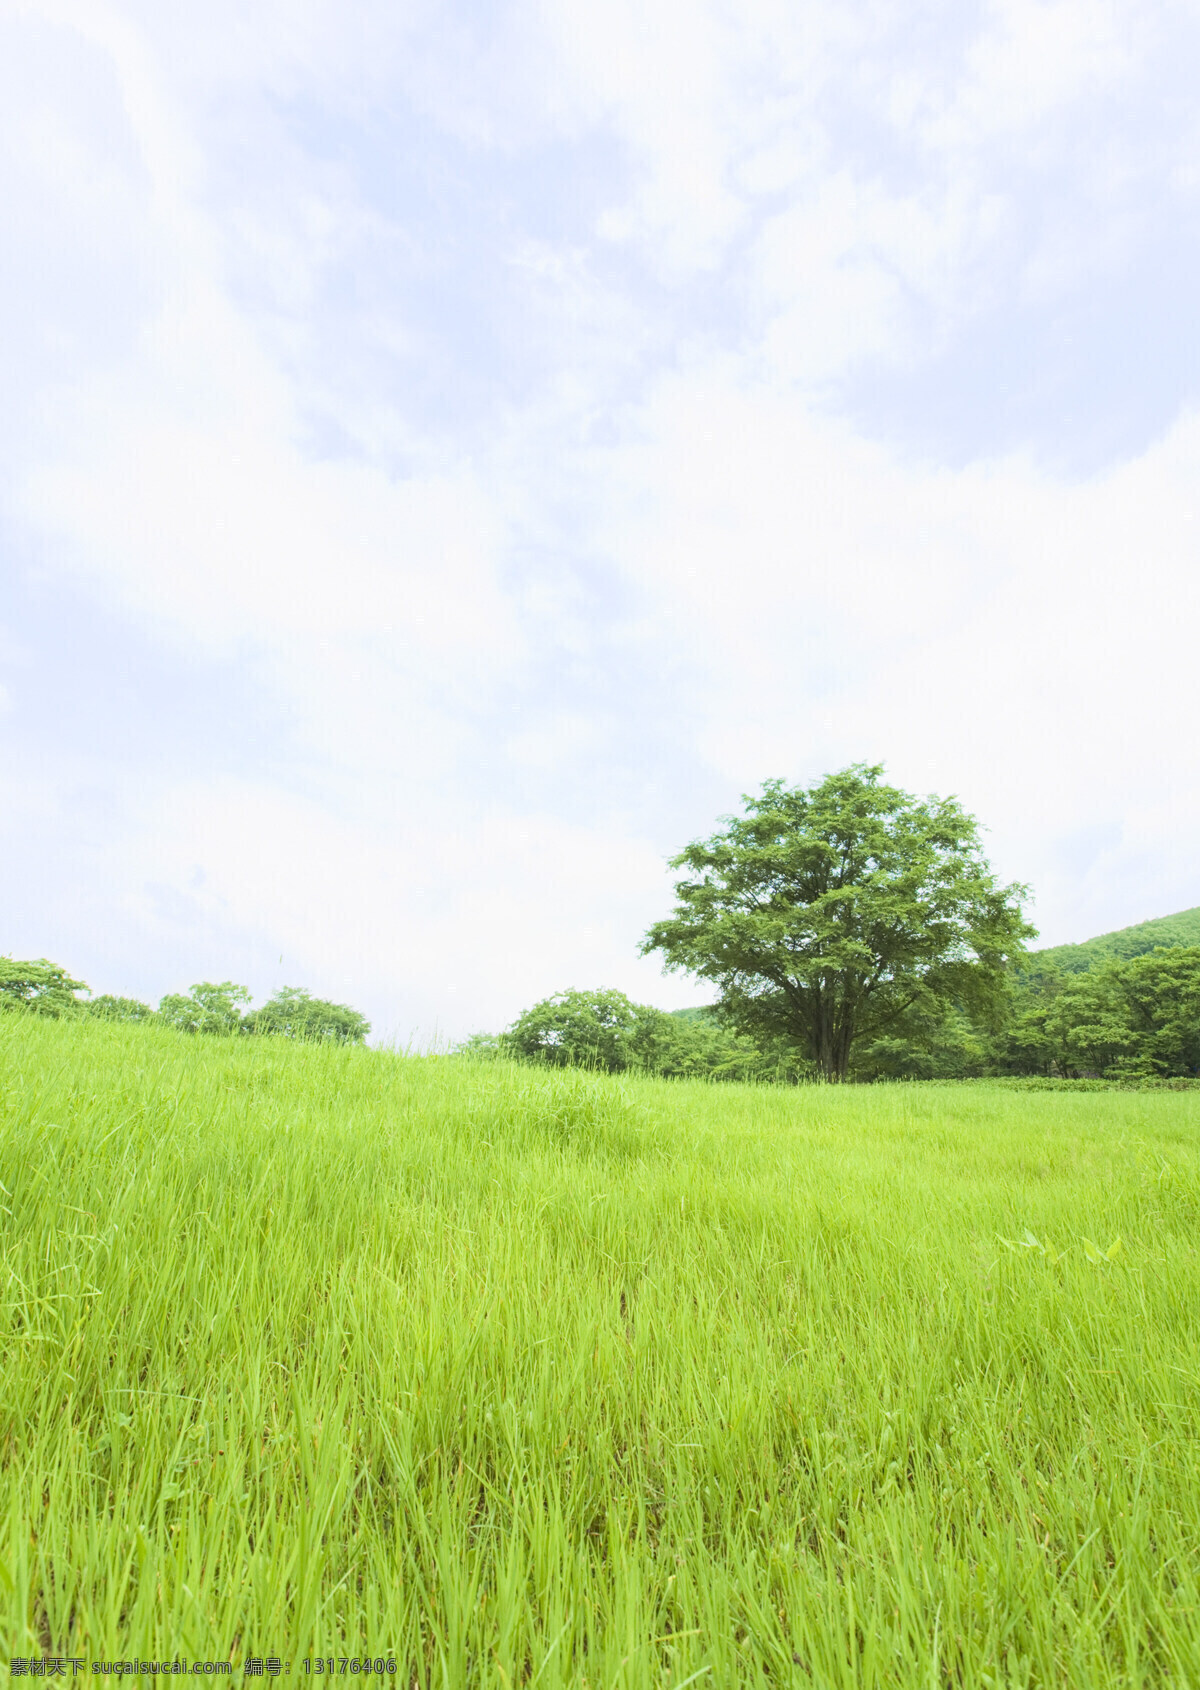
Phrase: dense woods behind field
{"type": "Point", "coordinates": [1124, 1007]}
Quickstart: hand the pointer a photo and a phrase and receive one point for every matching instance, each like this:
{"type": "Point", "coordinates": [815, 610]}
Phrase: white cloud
{"type": "Point", "coordinates": [1032, 58]}
{"type": "Point", "coordinates": [431, 927]}
{"type": "Point", "coordinates": [989, 630]}
{"type": "Point", "coordinates": [175, 477]}
{"type": "Point", "coordinates": [476, 564]}
{"type": "Point", "coordinates": [659, 72]}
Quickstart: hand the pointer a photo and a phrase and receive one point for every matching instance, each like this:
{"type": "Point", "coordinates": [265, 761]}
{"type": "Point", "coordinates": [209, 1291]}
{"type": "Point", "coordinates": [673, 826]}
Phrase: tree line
{"type": "Point", "coordinates": [854, 932]}
{"type": "Point", "coordinates": [1132, 1020]}
{"type": "Point", "coordinates": [850, 931]}
{"type": "Point", "coordinates": [1118, 1019]}
{"type": "Point", "coordinates": [41, 987]}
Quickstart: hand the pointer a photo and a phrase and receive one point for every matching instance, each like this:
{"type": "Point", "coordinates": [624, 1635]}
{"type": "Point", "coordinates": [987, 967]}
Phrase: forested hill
{"type": "Point", "coordinates": [1180, 929]}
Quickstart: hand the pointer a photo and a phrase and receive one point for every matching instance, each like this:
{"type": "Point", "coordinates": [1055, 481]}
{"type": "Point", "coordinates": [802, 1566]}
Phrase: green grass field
{"type": "Point", "coordinates": [545, 1379]}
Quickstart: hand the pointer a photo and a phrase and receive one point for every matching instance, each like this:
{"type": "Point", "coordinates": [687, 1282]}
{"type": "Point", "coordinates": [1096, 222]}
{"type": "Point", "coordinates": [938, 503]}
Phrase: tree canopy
{"type": "Point", "coordinates": [841, 912]}
{"type": "Point", "coordinates": [1133, 1018]}
{"type": "Point", "coordinates": [109, 1008]}
{"type": "Point", "coordinates": [40, 986]}
{"type": "Point", "coordinates": [43, 988]}
{"type": "Point", "coordinates": [295, 1014]}
{"type": "Point", "coordinates": [605, 1030]}
{"type": "Point", "coordinates": [1182, 928]}
{"type": "Point", "coordinates": [572, 1029]}
{"type": "Point", "coordinates": [208, 1008]}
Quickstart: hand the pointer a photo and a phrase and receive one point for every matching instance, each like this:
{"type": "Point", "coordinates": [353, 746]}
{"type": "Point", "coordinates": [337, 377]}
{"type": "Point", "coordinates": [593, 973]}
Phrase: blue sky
{"type": "Point", "coordinates": [451, 453]}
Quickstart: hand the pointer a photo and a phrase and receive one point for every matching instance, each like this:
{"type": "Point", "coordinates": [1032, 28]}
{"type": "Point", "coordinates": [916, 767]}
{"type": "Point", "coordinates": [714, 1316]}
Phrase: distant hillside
{"type": "Point", "coordinates": [693, 1014]}
{"type": "Point", "coordinates": [1181, 929]}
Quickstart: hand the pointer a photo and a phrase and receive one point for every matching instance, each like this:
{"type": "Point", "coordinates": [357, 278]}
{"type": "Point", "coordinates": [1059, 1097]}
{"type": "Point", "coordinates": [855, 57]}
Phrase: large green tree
{"type": "Point", "coordinates": [840, 912]}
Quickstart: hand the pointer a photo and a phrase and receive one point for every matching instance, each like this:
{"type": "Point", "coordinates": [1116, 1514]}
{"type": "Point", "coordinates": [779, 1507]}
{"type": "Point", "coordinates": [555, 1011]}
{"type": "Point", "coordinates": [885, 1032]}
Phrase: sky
{"type": "Point", "coordinates": [449, 454]}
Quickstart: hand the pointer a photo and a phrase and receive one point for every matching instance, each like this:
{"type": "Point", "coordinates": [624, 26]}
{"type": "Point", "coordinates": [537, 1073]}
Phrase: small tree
{"type": "Point", "coordinates": [209, 1008]}
{"type": "Point", "coordinates": [294, 1013]}
{"type": "Point", "coordinates": [578, 1030]}
{"type": "Point", "coordinates": [606, 1031]}
{"type": "Point", "coordinates": [40, 986]}
{"type": "Point", "coordinates": [829, 914]}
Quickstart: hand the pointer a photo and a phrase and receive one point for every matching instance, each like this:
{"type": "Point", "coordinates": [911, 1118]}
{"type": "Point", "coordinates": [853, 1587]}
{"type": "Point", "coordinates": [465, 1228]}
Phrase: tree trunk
{"type": "Point", "coordinates": [826, 1044]}
{"type": "Point", "coordinates": [832, 1035]}
{"type": "Point", "coordinates": [845, 1040]}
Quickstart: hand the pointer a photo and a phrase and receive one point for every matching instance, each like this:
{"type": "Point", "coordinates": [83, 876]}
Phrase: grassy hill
{"type": "Point", "coordinates": [1180, 929]}
{"type": "Point", "coordinates": [535, 1377]}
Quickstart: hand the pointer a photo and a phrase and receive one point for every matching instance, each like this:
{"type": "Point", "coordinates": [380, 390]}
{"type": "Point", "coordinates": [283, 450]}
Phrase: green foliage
{"type": "Point", "coordinates": [1134, 1017]}
{"type": "Point", "coordinates": [1086, 1083]}
{"type": "Point", "coordinates": [1022, 1043]}
{"type": "Point", "coordinates": [1084, 1025]}
{"type": "Point", "coordinates": [208, 1009]}
{"type": "Point", "coordinates": [576, 1030]}
{"type": "Point", "coordinates": [520, 1376]}
{"type": "Point", "coordinates": [1128, 1014]}
{"type": "Point", "coordinates": [1137, 1017]}
{"type": "Point", "coordinates": [941, 1044]}
{"type": "Point", "coordinates": [605, 1031]}
{"type": "Point", "coordinates": [1183, 928]}
{"type": "Point", "coordinates": [43, 988]}
{"type": "Point", "coordinates": [846, 912]}
{"type": "Point", "coordinates": [483, 1047]}
{"type": "Point", "coordinates": [108, 1008]}
{"type": "Point", "coordinates": [40, 986]}
{"type": "Point", "coordinates": [696, 1045]}
{"type": "Point", "coordinates": [601, 1030]}
{"type": "Point", "coordinates": [294, 1013]}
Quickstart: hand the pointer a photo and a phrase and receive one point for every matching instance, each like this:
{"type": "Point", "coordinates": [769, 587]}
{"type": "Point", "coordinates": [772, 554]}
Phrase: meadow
{"type": "Point", "coordinates": [523, 1377]}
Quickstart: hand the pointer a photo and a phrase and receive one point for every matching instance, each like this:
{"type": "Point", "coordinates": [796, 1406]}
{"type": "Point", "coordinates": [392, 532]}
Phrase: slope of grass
{"type": "Point", "coordinates": [545, 1379]}
{"type": "Point", "coordinates": [1183, 928]}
